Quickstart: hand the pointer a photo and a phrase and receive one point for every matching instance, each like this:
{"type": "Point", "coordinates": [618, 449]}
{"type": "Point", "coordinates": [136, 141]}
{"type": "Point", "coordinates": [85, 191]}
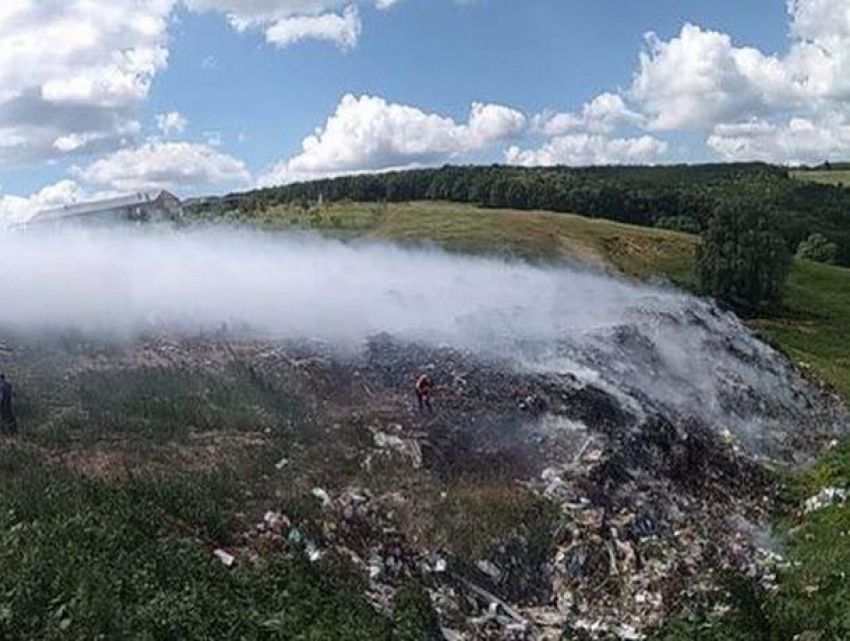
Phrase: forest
{"type": "Point", "coordinates": [681, 197]}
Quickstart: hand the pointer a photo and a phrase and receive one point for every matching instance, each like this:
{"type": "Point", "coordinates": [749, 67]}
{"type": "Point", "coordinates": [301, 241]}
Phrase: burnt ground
{"type": "Point", "coordinates": [528, 503]}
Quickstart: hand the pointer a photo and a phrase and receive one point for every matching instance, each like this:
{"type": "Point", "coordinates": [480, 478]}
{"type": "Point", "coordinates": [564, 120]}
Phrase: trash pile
{"type": "Point", "coordinates": [652, 503]}
{"type": "Point", "coordinates": [654, 443]}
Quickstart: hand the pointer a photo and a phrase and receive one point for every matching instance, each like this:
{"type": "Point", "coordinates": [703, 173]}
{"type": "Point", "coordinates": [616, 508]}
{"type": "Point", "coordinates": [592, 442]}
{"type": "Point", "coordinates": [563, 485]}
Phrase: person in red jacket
{"type": "Point", "coordinates": [424, 391]}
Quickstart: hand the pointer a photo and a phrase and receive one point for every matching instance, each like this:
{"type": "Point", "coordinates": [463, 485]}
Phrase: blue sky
{"type": "Point", "coordinates": [436, 54]}
{"type": "Point", "coordinates": [239, 86]}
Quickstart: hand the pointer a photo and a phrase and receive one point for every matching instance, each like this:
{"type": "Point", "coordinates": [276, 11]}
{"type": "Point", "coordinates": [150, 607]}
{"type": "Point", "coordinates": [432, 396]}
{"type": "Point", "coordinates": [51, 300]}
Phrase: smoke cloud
{"type": "Point", "coordinates": [119, 283]}
{"type": "Point", "coordinates": [655, 348]}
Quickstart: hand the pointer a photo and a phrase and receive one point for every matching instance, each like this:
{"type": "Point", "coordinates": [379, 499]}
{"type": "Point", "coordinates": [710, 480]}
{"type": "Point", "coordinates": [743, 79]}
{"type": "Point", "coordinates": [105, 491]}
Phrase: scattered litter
{"type": "Point", "coordinates": [489, 569]}
{"type": "Point", "coordinates": [408, 448]}
{"type": "Point", "coordinates": [226, 558]}
{"type": "Point", "coordinates": [322, 495]}
{"type": "Point", "coordinates": [312, 551]}
{"type": "Point", "coordinates": [827, 497]}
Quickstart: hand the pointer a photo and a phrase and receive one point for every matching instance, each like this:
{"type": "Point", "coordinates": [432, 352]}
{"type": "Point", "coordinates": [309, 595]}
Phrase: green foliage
{"type": "Point", "coordinates": [165, 402]}
{"type": "Point", "coordinates": [819, 249]}
{"type": "Point", "coordinates": [743, 261]}
{"type": "Point", "coordinates": [91, 559]}
{"type": "Point", "coordinates": [414, 618]}
{"type": "Point", "coordinates": [813, 325]}
{"type": "Point", "coordinates": [635, 195]}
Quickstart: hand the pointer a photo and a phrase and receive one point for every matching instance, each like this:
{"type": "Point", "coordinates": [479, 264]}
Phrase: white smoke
{"type": "Point", "coordinates": [654, 348]}
{"type": "Point", "coordinates": [126, 282]}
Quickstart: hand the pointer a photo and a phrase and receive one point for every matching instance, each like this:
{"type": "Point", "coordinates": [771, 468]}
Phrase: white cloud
{"type": "Point", "coordinates": [490, 123]}
{"type": "Point", "coordinates": [795, 141]}
{"type": "Point", "coordinates": [590, 149]}
{"type": "Point", "coordinates": [603, 114]}
{"type": "Point", "coordinates": [368, 133]}
{"type": "Point", "coordinates": [343, 30]}
{"type": "Point", "coordinates": [285, 22]}
{"type": "Point", "coordinates": [165, 165]}
{"type": "Point", "coordinates": [788, 107]}
{"type": "Point", "coordinates": [171, 122]}
{"type": "Point", "coordinates": [700, 78]}
{"type": "Point", "coordinates": [73, 74]}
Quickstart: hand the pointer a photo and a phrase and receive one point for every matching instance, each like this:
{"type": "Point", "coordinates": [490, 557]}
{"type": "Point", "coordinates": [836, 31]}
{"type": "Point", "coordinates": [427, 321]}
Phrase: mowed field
{"type": "Point", "coordinates": [813, 328]}
{"type": "Point", "coordinates": [838, 177]}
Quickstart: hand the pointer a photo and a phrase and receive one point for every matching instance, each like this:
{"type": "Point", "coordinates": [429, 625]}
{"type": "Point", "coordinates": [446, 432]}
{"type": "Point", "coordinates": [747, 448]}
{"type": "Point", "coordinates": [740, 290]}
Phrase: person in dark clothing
{"type": "Point", "coordinates": [7, 417]}
{"type": "Point", "coordinates": [424, 391]}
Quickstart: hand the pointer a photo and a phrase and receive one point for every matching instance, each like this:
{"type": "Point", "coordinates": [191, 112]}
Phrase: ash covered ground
{"type": "Point", "coordinates": [599, 451]}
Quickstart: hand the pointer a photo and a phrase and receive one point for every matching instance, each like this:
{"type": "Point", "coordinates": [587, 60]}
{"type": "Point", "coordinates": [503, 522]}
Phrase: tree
{"type": "Point", "coordinates": [743, 260]}
{"type": "Point", "coordinates": [819, 249]}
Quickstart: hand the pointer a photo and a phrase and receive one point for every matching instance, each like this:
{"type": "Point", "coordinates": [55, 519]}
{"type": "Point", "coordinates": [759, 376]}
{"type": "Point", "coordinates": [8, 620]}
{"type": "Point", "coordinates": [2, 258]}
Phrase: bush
{"type": "Point", "coordinates": [743, 261]}
{"type": "Point", "coordinates": [818, 248]}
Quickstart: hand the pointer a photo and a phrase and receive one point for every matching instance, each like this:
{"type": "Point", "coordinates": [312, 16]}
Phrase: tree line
{"type": "Point", "coordinates": [681, 197]}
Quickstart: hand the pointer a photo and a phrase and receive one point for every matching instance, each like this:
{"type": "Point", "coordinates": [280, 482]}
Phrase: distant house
{"type": "Point", "coordinates": [143, 207]}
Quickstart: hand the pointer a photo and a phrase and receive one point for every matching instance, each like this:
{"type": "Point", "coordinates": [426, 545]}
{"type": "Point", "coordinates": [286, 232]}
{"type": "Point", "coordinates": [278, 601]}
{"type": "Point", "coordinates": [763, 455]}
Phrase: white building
{"type": "Point", "coordinates": [143, 207]}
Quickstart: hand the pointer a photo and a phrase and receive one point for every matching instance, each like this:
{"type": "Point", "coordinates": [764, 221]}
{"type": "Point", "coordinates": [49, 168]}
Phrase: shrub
{"type": "Point", "coordinates": [743, 260]}
{"type": "Point", "coordinates": [818, 248]}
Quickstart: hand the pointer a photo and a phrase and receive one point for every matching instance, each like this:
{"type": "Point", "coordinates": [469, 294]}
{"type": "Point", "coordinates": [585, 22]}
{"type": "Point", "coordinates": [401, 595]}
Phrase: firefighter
{"type": "Point", "coordinates": [7, 417]}
{"type": "Point", "coordinates": [424, 391]}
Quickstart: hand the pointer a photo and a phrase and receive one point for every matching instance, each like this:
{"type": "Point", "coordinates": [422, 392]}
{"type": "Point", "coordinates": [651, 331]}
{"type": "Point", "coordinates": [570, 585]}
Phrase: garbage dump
{"type": "Point", "coordinates": [654, 501]}
{"type": "Point", "coordinates": [598, 450]}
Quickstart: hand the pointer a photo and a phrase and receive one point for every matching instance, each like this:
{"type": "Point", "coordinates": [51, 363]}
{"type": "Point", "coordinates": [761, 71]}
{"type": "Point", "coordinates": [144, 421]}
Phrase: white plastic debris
{"type": "Point", "coordinates": [489, 569]}
{"type": "Point", "coordinates": [322, 495]}
{"type": "Point", "coordinates": [827, 497]}
{"type": "Point", "coordinates": [282, 463]}
{"type": "Point", "coordinates": [312, 551]}
{"type": "Point", "coordinates": [226, 558]}
{"type": "Point", "coordinates": [275, 521]}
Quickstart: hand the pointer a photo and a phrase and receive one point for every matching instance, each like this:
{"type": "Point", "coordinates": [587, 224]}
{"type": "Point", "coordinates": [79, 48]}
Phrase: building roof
{"type": "Point", "coordinates": [95, 206]}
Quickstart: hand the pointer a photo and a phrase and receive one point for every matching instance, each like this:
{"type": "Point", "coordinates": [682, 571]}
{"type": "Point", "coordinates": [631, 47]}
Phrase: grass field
{"type": "Point", "coordinates": [839, 177]}
{"type": "Point", "coordinates": [814, 328]}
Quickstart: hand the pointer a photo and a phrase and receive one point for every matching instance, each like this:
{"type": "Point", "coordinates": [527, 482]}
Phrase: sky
{"type": "Point", "coordinates": [100, 97]}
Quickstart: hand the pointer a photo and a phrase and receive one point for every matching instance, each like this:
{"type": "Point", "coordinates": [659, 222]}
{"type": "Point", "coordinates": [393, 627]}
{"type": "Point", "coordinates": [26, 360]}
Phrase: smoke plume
{"type": "Point", "coordinates": [657, 349]}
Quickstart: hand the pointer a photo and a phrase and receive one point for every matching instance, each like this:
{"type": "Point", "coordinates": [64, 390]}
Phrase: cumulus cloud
{"type": "Point", "coordinates": [590, 149]}
{"type": "Point", "coordinates": [788, 107]}
{"type": "Point", "coordinates": [796, 141]}
{"type": "Point", "coordinates": [72, 75]}
{"type": "Point", "coordinates": [343, 30]}
{"type": "Point", "coordinates": [82, 91]}
{"type": "Point", "coordinates": [171, 122]}
{"type": "Point", "coordinates": [165, 165]}
{"type": "Point", "coordinates": [699, 79]}
{"type": "Point", "coordinates": [368, 133]}
{"type": "Point", "coordinates": [603, 114]}
{"type": "Point", "coordinates": [285, 22]}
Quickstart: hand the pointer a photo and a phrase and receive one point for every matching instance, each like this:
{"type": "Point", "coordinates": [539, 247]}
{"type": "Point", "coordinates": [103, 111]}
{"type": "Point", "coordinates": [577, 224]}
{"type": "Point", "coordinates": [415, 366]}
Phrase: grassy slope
{"type": "Point", "coordinates": [814, 328]}
{"type": "Point", "coordinates": [839, 177]}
